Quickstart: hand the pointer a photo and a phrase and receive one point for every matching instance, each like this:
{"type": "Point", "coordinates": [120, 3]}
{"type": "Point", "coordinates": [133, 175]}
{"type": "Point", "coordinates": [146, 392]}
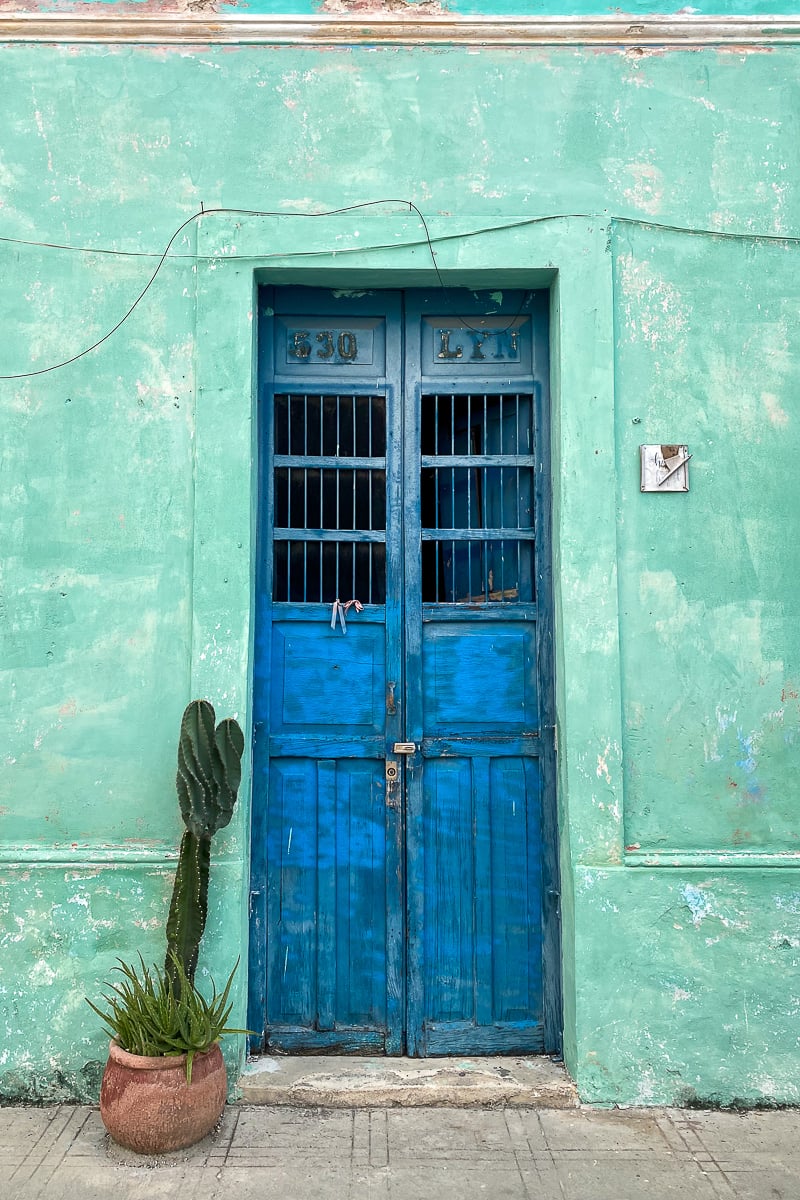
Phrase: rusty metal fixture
{"type": "Point", "coordinates": [147, 1106]}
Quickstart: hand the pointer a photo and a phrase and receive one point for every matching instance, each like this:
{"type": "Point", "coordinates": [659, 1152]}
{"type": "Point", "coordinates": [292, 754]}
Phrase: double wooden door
{"type": "Point", "coordinates": [403, 860]}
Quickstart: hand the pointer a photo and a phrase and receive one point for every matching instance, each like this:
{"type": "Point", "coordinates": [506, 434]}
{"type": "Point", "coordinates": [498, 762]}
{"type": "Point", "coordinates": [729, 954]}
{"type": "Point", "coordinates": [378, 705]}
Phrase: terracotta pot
{"type": "Point", "coordinates": [147, 1106]}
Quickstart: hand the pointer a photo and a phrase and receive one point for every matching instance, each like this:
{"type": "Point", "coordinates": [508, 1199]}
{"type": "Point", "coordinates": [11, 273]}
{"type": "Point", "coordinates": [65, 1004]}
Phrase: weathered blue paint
{"type": "Point", "coordinates": [401, 916]}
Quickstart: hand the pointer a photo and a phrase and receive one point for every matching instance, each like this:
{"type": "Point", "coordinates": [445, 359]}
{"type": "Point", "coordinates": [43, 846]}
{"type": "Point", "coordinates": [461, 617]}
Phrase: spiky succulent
{"type": "Point", "coordinates": [209, 774]}
{"type": "Point", "coordinates": [160, 1013]}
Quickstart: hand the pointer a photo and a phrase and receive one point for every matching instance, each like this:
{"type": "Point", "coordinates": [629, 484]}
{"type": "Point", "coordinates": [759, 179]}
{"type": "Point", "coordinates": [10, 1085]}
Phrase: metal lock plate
{"type": "Point", "coordinates": [392, 772]}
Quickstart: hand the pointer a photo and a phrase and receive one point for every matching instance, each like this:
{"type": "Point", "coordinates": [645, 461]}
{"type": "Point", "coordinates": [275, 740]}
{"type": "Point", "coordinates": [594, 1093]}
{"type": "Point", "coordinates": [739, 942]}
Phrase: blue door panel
{"type": "Point", "coordinates": [514, 886]}
{"type": "Point", "coordinates": [448, 887]}
{"type": "Point", "coordinates": [327, 895]}
{"type": "Point", "coordinates": [399, 882]}
{"type": "Point", "coordinates": [323, 682]}
{"type": "Point", "coordinates": [478, 929]}
{"type": "Point", "coordinates": [479, 679]}
{"type": "Point", "coordinates": [291, 905]}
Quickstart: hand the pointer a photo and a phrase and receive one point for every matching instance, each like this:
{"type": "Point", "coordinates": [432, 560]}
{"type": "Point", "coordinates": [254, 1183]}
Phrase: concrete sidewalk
{"type": "Point", "coordinates": [62, 1153]}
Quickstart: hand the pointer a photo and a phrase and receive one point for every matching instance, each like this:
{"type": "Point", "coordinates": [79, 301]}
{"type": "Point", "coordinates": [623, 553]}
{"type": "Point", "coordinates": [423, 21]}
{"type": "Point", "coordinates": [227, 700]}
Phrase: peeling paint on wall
{"type": "Point", "coordinates": [681, 980]}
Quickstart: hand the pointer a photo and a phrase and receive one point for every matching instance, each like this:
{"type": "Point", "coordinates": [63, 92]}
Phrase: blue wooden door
{"type": "Point", "coordinates": [400, 839]}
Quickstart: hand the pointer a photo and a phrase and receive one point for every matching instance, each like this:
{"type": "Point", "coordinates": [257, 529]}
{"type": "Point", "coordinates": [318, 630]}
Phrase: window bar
{"type": "Point", "coordinates": [485, 429]}
{"type": "Point", "coordinates": [289, 423]}
{"type": "Point", "coordinates": [516, 446]}
{"type": "Point", "coordinates": [485, 498]}
{"type": "Point", "coordinates": [353, 587]}
{"type": "Point", "coordinates": [501, 398]}
{"type": "Point", "coordinates": [306, 513]}
{"type": "Point", "coordinates": [469, 498]}
{"type": "Point", "coordinates": [469, 570]}
{"type": "Point", "coordinates": [321, 424]}
{"type": "Point", "coordinates": [369, 430]}
{"type": "Point", "coordinates": [288, 546]}
{"type": "Point", "coordinates": [369, 589]}
{"type": "Point", "coordinates": [353, 476]}
{"type": "Point", "coordinates": [305, 424]}
{"type": "Point", "coordinates": [337, 402]}
{"type": "Point", "coordinates": [436, 486]}
{"type": "Point", "coordinates": [321, 475]}
{"type": "Point", "coordinates": [453, 473]}
{"type": "Point", "coordinates": [436, 479]}
{"type": "Point", "coordinates": [519, 518]}
{"type": "Point", "coordinates": [337, 547]}
{"type": "Point", "coordinates": [305, 571]}
{"type": "Point", "coordinates": [288, 475]}
{"type": "Point", "coordinates": [469, 476]}
{"type": "Point", "coordinates": [519, 570]}
{"type": "Point", "coordinates": [371, 476]}
{"type": "Point", "coordinates": [453, 571]}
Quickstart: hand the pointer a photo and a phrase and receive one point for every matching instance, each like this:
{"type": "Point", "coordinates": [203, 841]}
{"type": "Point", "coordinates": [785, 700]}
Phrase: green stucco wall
{"type": "Point", "coordinates": [128, 499]}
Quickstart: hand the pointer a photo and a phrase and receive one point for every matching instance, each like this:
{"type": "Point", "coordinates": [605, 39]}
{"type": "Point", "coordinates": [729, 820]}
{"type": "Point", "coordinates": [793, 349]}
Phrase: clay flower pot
{"type": "Point", "coordinates": [147, 1106]}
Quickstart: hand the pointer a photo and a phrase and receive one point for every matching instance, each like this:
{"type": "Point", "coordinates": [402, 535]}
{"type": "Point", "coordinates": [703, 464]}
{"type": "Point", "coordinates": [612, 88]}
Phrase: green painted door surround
{"type": "Point", "coordinates": [130, 485]}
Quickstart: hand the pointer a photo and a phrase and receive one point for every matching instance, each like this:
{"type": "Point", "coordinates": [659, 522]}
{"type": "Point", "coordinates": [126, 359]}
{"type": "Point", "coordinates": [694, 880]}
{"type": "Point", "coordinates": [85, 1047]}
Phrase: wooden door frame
{"type": "Point", "coordinates": [568, 255]}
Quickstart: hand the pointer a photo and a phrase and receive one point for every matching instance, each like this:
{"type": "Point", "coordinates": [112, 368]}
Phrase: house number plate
{"type": "Point", "coordinates": [318, 344]}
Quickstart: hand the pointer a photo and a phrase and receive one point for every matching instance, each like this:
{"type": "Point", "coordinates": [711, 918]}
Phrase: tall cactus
{"type": "Point", "coordinates": [209, 773]}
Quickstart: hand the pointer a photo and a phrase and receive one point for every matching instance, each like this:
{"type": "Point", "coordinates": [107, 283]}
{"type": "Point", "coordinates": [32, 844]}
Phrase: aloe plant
{"type": "Point", "coordinates": [158, 1013]}
{"type": "Point", "coordinates": [209, 774]}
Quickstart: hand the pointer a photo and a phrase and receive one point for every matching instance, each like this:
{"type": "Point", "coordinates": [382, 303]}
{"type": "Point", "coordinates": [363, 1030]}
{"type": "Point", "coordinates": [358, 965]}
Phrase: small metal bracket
{"type": "Point", "coordinates": [392, 783]}
{"type": "Point", "coordinates": [405, 748]}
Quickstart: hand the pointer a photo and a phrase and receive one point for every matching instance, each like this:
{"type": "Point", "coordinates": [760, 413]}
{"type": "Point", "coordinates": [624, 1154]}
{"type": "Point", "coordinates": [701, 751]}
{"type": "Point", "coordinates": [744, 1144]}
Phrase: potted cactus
{"type": "Point", "coordinates": [164, 1085]}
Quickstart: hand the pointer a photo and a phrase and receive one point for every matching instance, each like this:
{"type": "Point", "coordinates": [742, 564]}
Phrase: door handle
{"type": "Point", "coordinates": [405, 748]}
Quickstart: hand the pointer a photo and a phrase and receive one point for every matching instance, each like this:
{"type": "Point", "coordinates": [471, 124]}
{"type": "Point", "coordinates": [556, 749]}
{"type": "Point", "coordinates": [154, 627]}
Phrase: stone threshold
{"type": "Point", "coordinates": [326, 1081]}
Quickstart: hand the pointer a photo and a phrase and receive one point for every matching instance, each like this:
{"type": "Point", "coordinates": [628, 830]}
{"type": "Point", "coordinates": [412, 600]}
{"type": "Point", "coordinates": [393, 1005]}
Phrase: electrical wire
{"type": "Point", "coordinates": [204, 212]}
{"type": "Point", "coordinates": [427, 240]}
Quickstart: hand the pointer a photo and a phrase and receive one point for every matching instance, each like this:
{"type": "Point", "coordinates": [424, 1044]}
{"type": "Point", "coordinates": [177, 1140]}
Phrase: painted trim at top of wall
{"type": "Point", "coordinates": [681, 31]}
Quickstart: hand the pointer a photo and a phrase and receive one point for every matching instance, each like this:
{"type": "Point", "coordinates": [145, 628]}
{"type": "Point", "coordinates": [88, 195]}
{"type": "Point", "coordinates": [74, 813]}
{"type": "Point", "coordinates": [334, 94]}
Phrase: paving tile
{"type": "Point", "coordinates": [774, 1182]}
{"type": "Point", "coordinates": [655, 1177]}
{"type": "Point", "coordinates": [731, 1133]}
{"type": "Point", "coordinates": [603, 1130]}
{"type": "Point", "coordinates": [301, 1129]}
{"type": "Point", "coordinates": [24, 1125]}
{"type": "Point", "coordinates": [443, 1134]}
{"type": "Point", "coordinates": [525, 1130]}
{"type": "Point", "coordinates": [372, 1184]}
{"type": "Point", "coordinates": [89, 1138]}
{"type": "Point", "coordinates": [788, 1159]}
{"type": "Point", "coordinates": [282, 1183]}
{"type": "Point", "coordinates": [378, 1138]}
{"type": "Point", "coordinates": [106, 1181]}
{"type": "Point", "coordinates": [456, 1181]}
